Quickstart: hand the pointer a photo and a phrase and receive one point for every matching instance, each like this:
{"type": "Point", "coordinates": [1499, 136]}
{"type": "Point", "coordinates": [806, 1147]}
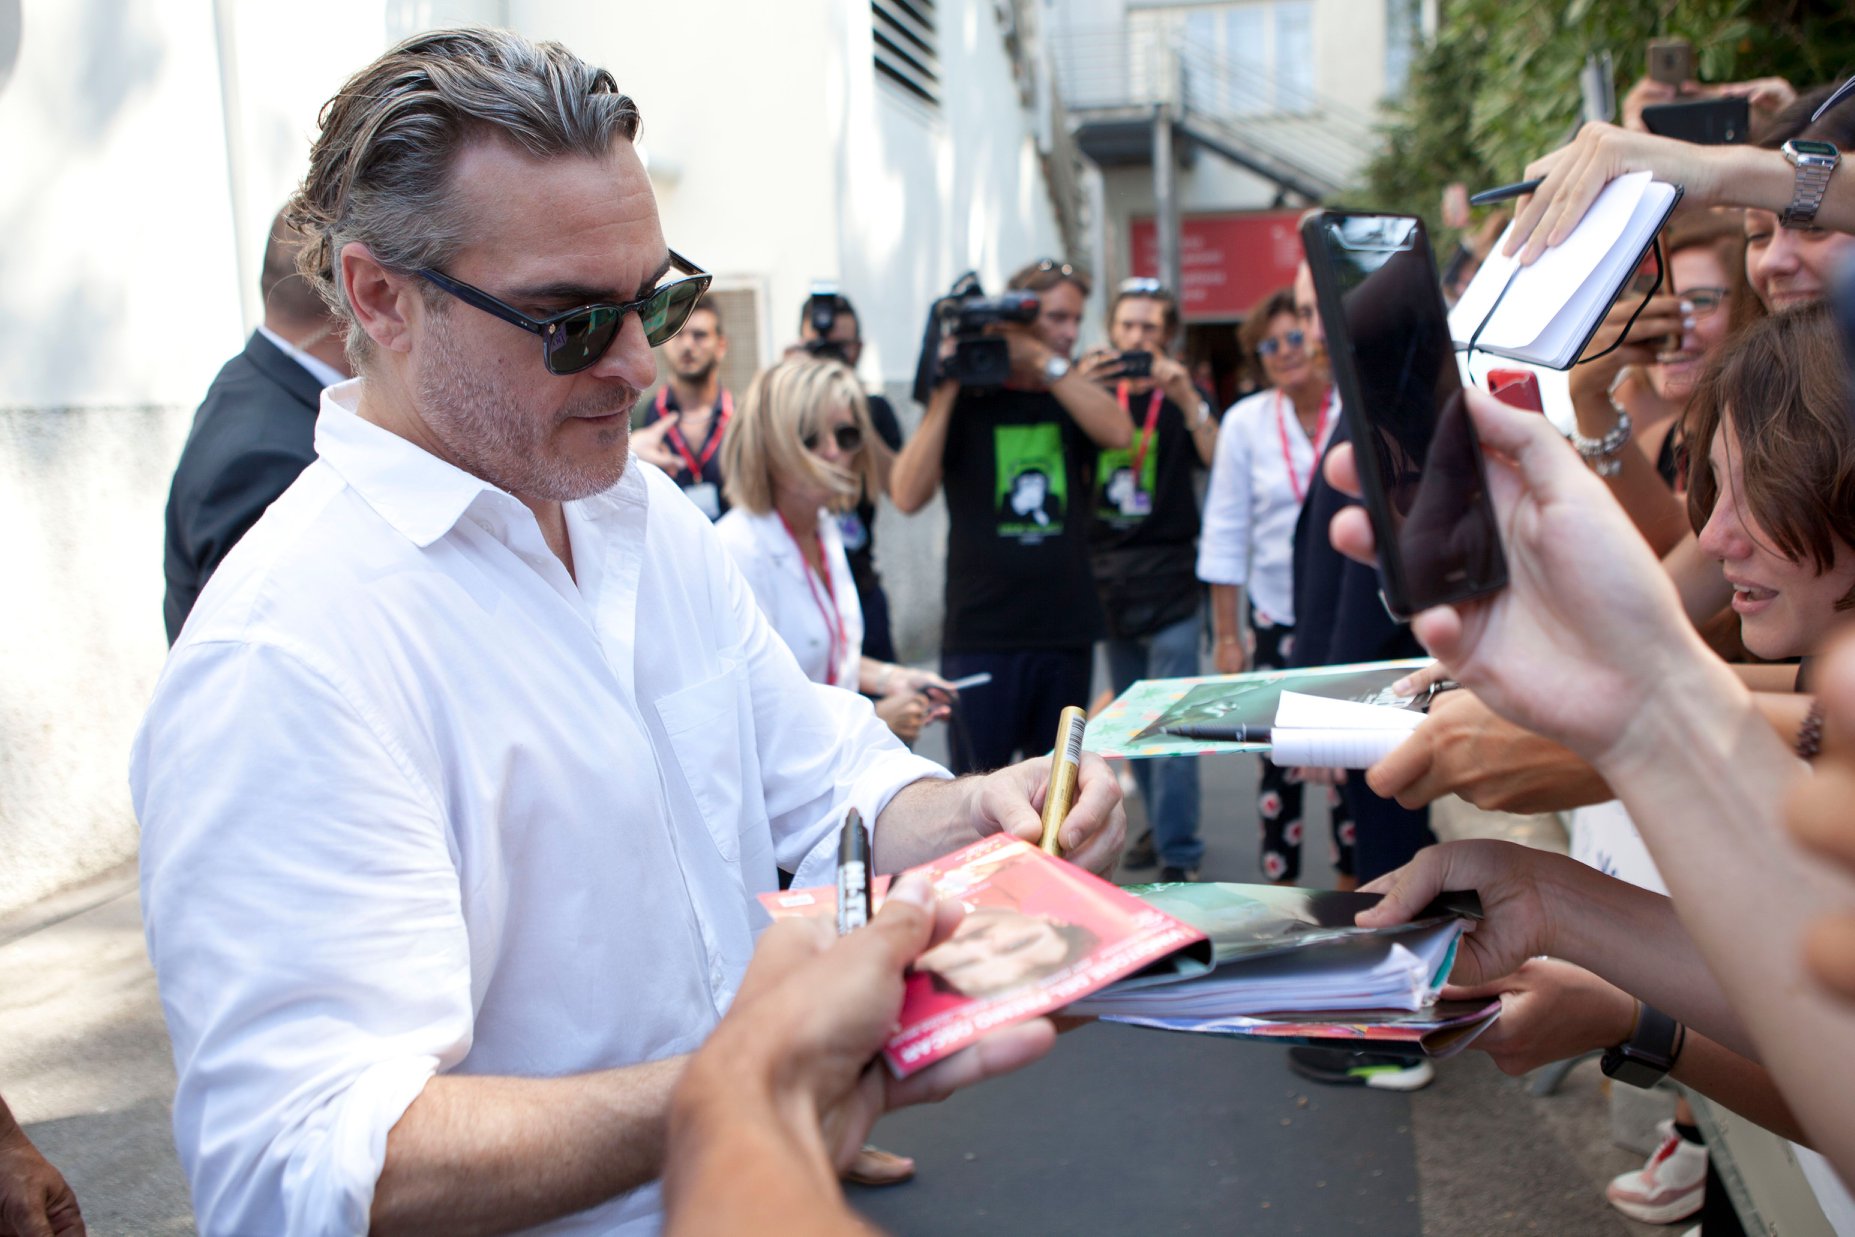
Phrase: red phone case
{"type": "Point", "coordinates": [1516, 387]}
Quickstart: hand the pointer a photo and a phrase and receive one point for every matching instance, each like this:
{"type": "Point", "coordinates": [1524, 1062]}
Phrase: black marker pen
{"type": "Point", "coordinates": [1505, 193]}
{"type": "Point", "coordinates": [853, 875]}
{"type": "Point", "coordinates": [1212, 732]}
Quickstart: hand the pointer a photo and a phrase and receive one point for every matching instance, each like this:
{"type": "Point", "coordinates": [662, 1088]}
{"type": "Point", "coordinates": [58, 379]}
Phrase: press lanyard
{"type": "Point", "coordinates": [709, 447]}
{"type": "Point", "coordinates": [1154, 399]}
{"type": "Point", "coordinates": [1298, 487]}
{"type": "Point", "coordinates": [827, 605]}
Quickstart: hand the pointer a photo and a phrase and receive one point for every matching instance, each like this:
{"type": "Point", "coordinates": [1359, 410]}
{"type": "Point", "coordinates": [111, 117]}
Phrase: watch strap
{"type": "Point", "coordinates": [1054, 369]}
{"type": "Point", "coordinates": [1812, 182]}
{"type": "Point", "coordinates": [1653, 1048]}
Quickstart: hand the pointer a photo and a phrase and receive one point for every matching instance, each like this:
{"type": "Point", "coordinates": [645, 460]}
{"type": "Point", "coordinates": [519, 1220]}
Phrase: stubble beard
{"type": "Point", "coordinates": [489, 435]}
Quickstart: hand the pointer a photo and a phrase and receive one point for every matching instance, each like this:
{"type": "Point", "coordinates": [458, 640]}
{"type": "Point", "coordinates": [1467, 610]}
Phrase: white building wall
{"type": "Point", "coordinates": [119, 299]}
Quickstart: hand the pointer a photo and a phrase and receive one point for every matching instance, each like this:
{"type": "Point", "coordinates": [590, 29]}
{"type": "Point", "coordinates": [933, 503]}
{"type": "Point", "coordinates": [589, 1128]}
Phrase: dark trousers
{"type": "Point", "coordinates": [1385, 836]}
{"type": "Point", "coordinates": [1279, 801]}
{"type": "Point", "coordinates": [1016, 712]}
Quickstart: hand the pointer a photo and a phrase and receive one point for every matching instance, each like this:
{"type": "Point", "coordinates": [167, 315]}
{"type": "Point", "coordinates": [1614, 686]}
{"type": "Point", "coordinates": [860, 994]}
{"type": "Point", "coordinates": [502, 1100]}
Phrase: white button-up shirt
{"type": "Point", "coordinates": [828, 644]}
{"type": "Point", "coordinates": [414, 799]}
{"type": "Point", "coordinates": [1250, 509]}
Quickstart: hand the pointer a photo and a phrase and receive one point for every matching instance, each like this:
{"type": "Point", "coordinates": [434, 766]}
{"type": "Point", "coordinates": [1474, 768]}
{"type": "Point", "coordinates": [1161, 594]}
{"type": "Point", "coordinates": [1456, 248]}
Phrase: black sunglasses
{"type": "Point", "coordinates": [1273, 345]}
{"type": "Point", "coordinates": [848, 437]}
{"type": "Point", "coordinates": [576, 339]}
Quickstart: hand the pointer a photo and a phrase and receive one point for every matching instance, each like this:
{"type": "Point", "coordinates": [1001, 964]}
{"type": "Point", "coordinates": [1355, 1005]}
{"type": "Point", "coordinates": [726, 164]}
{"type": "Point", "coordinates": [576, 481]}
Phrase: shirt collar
{"type": "Point", "coordinates": [324, 373]}
{"type": "Point", "coordinates": [420, 495]}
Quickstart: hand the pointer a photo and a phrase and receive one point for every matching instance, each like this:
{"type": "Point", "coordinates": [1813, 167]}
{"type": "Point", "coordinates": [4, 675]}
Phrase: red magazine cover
{"type": "Point", "coordinates": [1038, 934]}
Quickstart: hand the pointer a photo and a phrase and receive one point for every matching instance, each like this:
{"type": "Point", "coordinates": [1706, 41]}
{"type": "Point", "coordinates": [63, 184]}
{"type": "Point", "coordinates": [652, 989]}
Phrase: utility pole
{"type": "Point", "coordinates": [1166, 198]}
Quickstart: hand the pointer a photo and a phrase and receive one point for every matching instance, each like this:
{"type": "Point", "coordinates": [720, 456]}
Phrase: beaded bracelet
{"type": "Point", "coordinates": [1601, 453]}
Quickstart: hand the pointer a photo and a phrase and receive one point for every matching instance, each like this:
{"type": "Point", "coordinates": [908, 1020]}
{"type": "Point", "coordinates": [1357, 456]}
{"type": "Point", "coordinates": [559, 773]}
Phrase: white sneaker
{"type": "Point", "coordinates": [1669, 1187]}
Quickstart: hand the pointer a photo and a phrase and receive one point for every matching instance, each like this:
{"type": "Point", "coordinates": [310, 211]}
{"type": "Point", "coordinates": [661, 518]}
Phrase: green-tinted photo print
{"type": "Point", "coordinates": [1125, 499]}
{"type": "Point", "coordinates": [1032, 487]}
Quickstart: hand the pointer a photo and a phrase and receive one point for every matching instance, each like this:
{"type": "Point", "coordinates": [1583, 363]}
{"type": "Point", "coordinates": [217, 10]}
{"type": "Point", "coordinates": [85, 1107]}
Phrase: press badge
{"type": "Point", "coordinates": [706, 496]}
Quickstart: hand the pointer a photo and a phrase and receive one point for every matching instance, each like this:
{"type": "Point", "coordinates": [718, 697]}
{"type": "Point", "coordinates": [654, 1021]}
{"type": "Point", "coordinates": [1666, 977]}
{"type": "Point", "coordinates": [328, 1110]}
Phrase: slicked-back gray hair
{"type": "Point", "coordinates": [380, 169]}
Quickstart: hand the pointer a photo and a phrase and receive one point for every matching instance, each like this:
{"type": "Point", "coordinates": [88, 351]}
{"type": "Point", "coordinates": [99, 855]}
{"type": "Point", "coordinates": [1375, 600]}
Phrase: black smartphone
{"type": "Point", "coordinates": [1707, 122]}
{"type": "Point", "coordinates": [1136, 365]}
{"type": "Point", "coordinates": [1420, 463]}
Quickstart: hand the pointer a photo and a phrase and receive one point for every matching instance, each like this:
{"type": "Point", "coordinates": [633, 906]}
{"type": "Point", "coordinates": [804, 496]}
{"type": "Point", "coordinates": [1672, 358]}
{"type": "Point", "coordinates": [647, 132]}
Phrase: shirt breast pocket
{"type": "Point", "coordinates": [704, 723]}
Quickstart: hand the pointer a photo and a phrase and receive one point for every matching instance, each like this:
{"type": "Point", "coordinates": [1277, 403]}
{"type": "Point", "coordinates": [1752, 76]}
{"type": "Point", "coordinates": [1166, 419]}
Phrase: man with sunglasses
{"type": "Point", "coordinates": [458, 788]}
{"type": "Point", "coordinates": [1020, 599]}
{"type": "Point", "coordinates": [1144, 547]}
{"type": "Point", "coordinates": [683, 426]}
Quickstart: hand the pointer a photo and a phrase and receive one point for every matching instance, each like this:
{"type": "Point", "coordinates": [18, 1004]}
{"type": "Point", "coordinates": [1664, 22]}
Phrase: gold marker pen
{"type": "Point", "coordinates": [1065, 769]}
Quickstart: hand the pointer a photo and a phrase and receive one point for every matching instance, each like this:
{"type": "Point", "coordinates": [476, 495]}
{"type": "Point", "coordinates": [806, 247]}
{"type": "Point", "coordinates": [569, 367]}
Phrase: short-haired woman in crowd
{"type": "Point", "coordinates": [1773, 500]}
{"type": "Point", "coordinates": [797, 449]}
{"type": "Point", "coordinates": [1268, 447]}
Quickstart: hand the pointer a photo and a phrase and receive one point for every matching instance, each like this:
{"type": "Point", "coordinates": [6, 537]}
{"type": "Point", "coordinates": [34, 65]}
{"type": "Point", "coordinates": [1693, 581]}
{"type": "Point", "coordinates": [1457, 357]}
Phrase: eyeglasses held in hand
{"type": "Point", "coordinates": [576, 339]}
{"type": "Point", "coordinates": [1274, 344]}
{"type": "Point", "coordinates": [849, 439]}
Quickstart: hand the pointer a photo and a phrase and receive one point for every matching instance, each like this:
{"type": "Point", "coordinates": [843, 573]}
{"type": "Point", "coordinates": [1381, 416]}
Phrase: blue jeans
{"type": "Point", "coordinates": [1168, 784]}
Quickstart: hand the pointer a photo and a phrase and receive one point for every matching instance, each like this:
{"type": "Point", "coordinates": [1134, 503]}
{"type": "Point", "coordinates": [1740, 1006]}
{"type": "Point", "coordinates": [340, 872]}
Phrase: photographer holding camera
{"type": "Point", "coordinates": [829, 329]}
{"type": "Point", "coordinates": [1011, 431]}
{"type": "Point", "coordinates": [1144, 545]}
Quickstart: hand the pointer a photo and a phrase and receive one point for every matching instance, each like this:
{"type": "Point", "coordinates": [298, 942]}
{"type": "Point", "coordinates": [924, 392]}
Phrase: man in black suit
{"type": "Point", "coordinates": [256, 430]}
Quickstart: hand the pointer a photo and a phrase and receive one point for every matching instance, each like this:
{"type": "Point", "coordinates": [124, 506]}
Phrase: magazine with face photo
{"type": "Point", "coordinates": [1038, 934]}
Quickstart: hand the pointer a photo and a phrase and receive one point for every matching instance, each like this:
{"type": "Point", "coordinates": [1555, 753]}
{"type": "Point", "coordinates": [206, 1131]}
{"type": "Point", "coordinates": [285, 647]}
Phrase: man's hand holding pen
{"type": "Point", "coordinates": [1011, 801]}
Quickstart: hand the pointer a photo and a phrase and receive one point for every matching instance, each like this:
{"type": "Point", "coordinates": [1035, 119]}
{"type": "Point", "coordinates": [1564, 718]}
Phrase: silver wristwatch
{"type": "Point", "coordinates": [1054, 369]}
{"type": "Point", "coordinates": [1814, 161]}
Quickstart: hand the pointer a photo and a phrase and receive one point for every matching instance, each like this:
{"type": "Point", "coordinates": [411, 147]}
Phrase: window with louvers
{"type": "Point", "coordinates": [905, 46]}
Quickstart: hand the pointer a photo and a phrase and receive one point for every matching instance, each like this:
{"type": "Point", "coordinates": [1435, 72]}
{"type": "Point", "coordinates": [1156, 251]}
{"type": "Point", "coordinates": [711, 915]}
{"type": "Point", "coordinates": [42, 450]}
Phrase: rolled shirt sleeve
{"type": "Point", "coordinates": [302, 910]}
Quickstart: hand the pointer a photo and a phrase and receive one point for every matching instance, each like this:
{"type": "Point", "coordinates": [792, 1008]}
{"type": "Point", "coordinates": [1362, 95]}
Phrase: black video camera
{"type": "Point", "coordinates": [821, 310]}
{"type": "Point", "coordinates": [980, 358]}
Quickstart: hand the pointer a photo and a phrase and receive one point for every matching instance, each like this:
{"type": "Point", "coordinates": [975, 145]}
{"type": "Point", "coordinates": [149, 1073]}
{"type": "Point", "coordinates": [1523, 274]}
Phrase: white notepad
{"type": "Point", "coordinates": [1555, 305]}
{"type": "Point", "coordinates": [1313, 732]}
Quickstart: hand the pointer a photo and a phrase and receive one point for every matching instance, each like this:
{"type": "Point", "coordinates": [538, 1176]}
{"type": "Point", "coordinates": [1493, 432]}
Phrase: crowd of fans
{"type": "Point", "coordinates": [1672, 637]}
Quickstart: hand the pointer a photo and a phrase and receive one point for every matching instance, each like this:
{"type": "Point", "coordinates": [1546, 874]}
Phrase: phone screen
{"type": "Point", "coordinates": [1419, 461]}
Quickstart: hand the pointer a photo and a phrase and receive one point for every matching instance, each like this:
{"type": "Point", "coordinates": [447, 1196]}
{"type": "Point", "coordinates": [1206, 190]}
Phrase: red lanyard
{"type": "Point", "coordinates": [709, 446]}
{"type": "Point", "coordinates": [1296, 485]}
{"type": "Point", "coordinates": [1154, 399]}
{"type": "Point", "coordinates": [835, 635]}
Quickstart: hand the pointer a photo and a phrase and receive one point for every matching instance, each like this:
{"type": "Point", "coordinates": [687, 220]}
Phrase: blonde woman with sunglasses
{"type": "Point", "coordinates": [800, 448]}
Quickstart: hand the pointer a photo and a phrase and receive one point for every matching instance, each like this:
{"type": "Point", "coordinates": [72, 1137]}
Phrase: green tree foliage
{"type": "Point", "coordinates": [1498, 86]}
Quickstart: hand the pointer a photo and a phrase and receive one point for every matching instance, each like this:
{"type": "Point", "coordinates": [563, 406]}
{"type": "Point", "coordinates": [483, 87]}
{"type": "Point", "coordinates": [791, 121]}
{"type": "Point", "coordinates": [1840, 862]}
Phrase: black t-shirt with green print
{"type": "Point", "coordinates": [1019, 476]}
{"type": "Point", "coordinates": [1144, 534]}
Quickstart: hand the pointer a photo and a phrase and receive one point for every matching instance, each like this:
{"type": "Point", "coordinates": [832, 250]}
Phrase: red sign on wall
{"type": "Point", "coordinates": [1226, 262]}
